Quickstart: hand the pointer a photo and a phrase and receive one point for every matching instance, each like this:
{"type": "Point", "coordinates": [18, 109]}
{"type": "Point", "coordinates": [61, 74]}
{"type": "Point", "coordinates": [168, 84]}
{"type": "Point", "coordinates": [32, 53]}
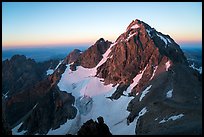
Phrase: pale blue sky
{"type": "Point", "coordinates": [43, 23]}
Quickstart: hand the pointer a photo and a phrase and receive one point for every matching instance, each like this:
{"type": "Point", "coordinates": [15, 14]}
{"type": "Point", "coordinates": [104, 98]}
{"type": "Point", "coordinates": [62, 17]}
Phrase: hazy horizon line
{"type": "Point", "coordinates": [46, 46]}
{"type": "Point", "coordinates": [182, 44]}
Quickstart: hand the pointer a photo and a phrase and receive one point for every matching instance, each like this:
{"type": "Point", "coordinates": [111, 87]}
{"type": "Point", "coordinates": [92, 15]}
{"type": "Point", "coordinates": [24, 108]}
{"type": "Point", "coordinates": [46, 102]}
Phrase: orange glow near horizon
{"type": "Point", "coordinates": [46, 41]}
{"type": "Point", "coordinates": [81, 41]}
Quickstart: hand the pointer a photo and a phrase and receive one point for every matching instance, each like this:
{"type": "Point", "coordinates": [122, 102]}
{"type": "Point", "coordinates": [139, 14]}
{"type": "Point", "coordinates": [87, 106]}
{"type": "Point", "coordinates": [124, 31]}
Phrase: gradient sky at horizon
{"type": "Point", "coordinates": [69, 23]}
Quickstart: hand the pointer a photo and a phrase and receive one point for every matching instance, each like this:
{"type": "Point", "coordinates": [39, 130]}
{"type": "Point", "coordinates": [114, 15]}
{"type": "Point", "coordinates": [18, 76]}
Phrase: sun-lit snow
{"type": "Point", "coordinates": [15, 130]}
{"type": "Point", "coordinates": [161, 37]}
{"type": "Point", "coordinates": [59, 64]}
{"type": "Point", "coordinates": [111, 56]}
{"type": "Point", "coordinates": [105, 55]}
{"type": "Point", "coordinates": [169, 93]}
{"type": "Point", "coordinates": [172, 118]}
{"type": "Point", "coordinates": [198, 69]}
{"type": "Point", "coordinates": [155, 69]}
{"type": "Point", "coordinates": [87, 85]}
{"type": "Point", "coordinates": [51, 71]}
{"type": "Point", "coordinates": [114, 112]}
{"type": "Point", "coordinates": [167, 65]}
{"type": "Point", "coordinates": [130, 35]}
{"type": "Point", "coordinates": [136, 79]}
{"type": "Point", "coordinates": [135, 26]}
{"type": "Point", "coordinates": [145, 92]}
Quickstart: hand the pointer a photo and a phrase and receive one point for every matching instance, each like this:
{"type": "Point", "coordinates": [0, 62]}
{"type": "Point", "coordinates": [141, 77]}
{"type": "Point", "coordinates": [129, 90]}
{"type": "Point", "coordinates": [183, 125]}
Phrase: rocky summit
{"type": "Point", "coordinates": [139, 84]}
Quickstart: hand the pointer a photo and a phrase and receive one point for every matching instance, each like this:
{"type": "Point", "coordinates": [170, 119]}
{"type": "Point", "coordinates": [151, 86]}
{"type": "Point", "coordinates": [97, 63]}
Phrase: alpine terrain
{"type": "Point", "coordinates": [141, 83]}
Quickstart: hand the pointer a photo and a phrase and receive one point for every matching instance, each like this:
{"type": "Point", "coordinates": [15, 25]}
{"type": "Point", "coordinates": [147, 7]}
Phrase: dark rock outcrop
{"type": "Point", "coordinates": [6, 129]}
{"type": "Point", "coordinates": [186, 100]}
{"type": "Point", "coordinates": [52, 111]}
{"type": "Point", "coordinates": [94, 128]}
{"type": "Point", "coordinates": [73, 56]}
{"type": "Point", "coordinates": [21, 106]}
{"type": "Point", "coordinates": [20, 73]}
{"type": "Point", "coordinates": [92, 56]}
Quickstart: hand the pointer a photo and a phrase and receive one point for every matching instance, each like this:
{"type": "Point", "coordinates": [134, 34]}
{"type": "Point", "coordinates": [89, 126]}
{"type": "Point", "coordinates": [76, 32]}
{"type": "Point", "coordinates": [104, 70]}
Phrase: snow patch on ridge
{"type": "Point", "coordinates": [168, 64]}
{"type": "Point", "coordinates": [172, 118]}
{"type": "Point", "coordinates": [145, 92]}
{"type": "Point", "coordinates": [59, 64]}
{"type": "Point", "coordinates": [163, 38]}
{"type": "Point", "coordinates": [155, 69]}
{"type": "Point", "coordinates": [169, 93]}
{"type": "Point", "coordinates": [15, 130]}
{"type": "Point", "coordinates": [105, 55]}
{"type": "Point", "coordinates": [135, 26]}
{"type": "Point", "coordinates": [198, 69]}
{"type": "Point", "coordinates": [135, 81]}
{"type": "Point", "coordinates": [148, 32]}
{"type": "Point", "coordinates": [168, 40]}
{"type": "Point", "coordinates": [50, 71]}
{"type": "Point", "coordinates": [130, 35]}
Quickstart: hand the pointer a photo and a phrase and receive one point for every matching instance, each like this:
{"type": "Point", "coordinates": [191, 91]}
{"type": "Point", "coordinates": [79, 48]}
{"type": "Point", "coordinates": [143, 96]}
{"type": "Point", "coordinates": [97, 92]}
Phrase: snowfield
{"type": "Point", "coordinates": [83, 84]}
{"type": "Point", "coordinates": [114, 112]}
{"type": "Point", "coordinates": [172, 118]}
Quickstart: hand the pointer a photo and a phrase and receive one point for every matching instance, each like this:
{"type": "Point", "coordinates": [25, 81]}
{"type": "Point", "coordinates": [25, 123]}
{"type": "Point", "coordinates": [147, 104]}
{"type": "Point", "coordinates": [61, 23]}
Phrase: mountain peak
{"type": "Point", "coordinates": [134, 24]}
{"type": "Point", "coordinates": [100, 40]}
